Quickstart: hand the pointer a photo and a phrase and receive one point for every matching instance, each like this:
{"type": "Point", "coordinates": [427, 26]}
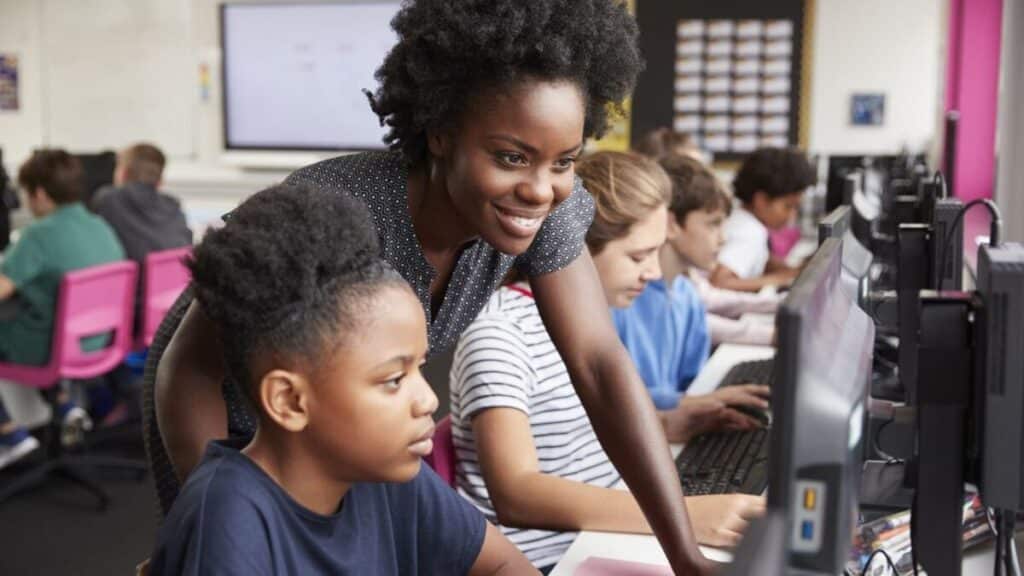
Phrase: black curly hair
{"type": "Point", "coordinates": [449, 50]}
{"type": "Point", "coordinates": [777, 172]}
{"type": "Point", "coordinates": [285, 276]}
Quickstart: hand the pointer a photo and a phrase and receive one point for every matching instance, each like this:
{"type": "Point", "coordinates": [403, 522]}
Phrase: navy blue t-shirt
{"type": "Point", "coordinates": [232, 518]}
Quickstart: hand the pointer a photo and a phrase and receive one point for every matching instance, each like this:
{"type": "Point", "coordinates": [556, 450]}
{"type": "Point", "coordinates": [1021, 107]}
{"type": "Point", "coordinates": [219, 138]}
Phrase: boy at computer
{"type": "Point", "coordinates": [327, 341]}
{"type": "Point", "coordinates": [768, 186]}
{"type": "Point", "coordinates": [667, 329]}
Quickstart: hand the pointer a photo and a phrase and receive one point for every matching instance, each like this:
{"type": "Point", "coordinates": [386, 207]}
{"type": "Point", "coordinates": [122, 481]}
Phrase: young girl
{"type": "Point", "coordinates": [488, 105]}
{"type": "Point", "coordinates": [527, 454]}
{"type": "Point", "coordinates": [326, 341]}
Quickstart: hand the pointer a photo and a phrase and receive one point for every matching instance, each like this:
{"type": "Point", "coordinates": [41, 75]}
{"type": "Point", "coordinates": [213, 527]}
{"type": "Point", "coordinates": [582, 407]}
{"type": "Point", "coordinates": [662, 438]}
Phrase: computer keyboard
{"type": "Point", "coordinates": [725, 463]}
{"type": "Point", "coordinates": [751, 372]}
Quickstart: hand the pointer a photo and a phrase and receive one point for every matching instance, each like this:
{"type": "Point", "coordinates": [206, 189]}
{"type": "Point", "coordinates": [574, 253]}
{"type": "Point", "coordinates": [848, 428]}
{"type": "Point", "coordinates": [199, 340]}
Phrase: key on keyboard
{"type": "Point", "coordinates": [752, 372]}
{"type": "Point", "coordinates": [725, 462]}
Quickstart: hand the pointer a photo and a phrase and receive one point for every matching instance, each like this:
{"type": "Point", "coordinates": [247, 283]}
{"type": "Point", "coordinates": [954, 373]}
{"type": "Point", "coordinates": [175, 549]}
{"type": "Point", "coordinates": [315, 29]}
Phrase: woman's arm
{"type": "Point", "coordinates": [498, 556]}
{"type": "Point", "coordinates": [525, 497]}
{"type": "Point", "coordinates": [189, 406]}
{"type": "Point", "coordinates": [572, 303]}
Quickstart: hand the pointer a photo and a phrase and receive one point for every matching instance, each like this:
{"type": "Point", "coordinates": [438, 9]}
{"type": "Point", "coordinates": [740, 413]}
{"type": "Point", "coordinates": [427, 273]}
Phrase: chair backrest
{"type": "Point", "coordinates": [442, 458]}
{"type": "Point", "coordinates": [94, 301]}
{"type": "Point", "coordinates": [165, 278]}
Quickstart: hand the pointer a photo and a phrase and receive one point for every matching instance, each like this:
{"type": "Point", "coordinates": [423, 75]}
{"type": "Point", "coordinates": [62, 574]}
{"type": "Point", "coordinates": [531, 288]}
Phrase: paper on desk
{"type": "Point", "coordinates": [596, 566]}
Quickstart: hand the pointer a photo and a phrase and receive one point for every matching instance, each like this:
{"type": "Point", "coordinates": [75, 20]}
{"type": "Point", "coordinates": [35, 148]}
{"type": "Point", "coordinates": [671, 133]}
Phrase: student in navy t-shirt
{"type": "Point", "coordinates": [326, 340]}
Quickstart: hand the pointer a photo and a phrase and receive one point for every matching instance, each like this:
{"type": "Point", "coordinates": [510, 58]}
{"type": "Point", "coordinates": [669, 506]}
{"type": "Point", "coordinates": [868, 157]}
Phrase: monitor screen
{"type": "Point", "coordinates": [294, 74]}
{"type": "Point", "coordinates": [823, 368]}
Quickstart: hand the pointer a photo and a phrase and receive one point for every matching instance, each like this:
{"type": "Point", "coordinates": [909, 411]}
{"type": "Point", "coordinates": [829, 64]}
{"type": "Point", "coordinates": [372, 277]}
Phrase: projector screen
{"type": "Point", "coordinates": [294, 74]}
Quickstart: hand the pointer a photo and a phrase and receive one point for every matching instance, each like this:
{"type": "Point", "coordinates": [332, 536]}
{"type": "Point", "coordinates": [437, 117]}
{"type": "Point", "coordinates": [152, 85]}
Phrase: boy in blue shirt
{"type": "Point", "coordinates": [665, 330]}
{"type": "Point", "coordinates": [326, 340]}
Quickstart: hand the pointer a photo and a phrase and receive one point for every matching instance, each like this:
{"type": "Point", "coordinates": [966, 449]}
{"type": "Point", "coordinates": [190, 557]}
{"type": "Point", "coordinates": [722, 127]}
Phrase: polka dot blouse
{"type": "Point", "coordinates": [379, 179]}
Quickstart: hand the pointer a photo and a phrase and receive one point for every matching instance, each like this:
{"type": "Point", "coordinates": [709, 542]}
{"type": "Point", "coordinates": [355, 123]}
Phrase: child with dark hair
{"type": "Point", "coordinates": [768, 186]}
{"type": "Point", "coordinates": [488, 106]}
{"type": "Point", "coordinates": [64, 237]}
{"type": "Point", "coordinates": [326, 341]}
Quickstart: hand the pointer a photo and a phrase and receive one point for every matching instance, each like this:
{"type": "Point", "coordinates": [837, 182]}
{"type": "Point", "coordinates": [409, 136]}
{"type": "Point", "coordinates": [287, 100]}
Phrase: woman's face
{"type": "Point", "coordinates": [509, 161]}
{"type": "Point", "coordinates": [627, 264]}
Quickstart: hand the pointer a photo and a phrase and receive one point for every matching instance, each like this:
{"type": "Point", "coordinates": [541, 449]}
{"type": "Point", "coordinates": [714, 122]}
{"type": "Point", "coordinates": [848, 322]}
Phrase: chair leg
{"type": "Point", "coordinates": [113, 462]}
{"type": "Point", "coordinates": [82, 474]}
{"type": "Point", "coordinates": [28, 479]}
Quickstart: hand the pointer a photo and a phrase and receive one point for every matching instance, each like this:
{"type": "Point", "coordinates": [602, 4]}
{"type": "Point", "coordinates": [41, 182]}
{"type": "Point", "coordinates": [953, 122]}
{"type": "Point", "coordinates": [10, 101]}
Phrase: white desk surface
{"type": "Point", "coordinates": [642, 548]}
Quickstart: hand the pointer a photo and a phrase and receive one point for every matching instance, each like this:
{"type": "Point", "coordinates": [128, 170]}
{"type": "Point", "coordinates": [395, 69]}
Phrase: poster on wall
{"type": "Point", "coordinates": [8, 82]}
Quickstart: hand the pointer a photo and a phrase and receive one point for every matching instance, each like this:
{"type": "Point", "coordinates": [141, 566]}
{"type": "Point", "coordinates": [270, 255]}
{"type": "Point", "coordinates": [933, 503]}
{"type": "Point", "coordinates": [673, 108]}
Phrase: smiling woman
{"type": "Point", "coordinates": [488, 105]}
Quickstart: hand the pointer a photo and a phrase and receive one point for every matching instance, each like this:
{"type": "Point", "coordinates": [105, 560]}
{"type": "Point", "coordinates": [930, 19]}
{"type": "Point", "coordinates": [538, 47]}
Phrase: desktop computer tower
{"type": "Point", "coordinates": [1001, 287]}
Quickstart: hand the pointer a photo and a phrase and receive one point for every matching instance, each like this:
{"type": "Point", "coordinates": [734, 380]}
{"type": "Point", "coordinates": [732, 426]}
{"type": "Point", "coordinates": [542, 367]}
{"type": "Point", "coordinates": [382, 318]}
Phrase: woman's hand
{"type": "Point", "coordinates": [719, 520]}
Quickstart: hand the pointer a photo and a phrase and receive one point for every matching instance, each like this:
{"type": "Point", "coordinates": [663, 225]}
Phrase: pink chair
{"type": "Point", "coordinates": [91, 301]}
{"type": "Point", "coordinates": [165, 277]}
{"type": "Point", "coordinates": [442, 458]}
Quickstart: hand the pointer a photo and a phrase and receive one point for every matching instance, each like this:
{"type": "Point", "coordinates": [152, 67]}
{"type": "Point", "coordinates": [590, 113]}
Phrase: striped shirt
{"type": "Point", "coordinates": [505, 359]}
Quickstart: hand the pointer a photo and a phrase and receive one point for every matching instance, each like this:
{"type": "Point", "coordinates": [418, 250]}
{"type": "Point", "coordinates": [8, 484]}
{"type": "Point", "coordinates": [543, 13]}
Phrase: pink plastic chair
{"type": "Point", "coordinates": [165, 277]}
{"type": "Point", "coordinates": [92, 301]}
{"type": "Point", "coordinates": [442, 458]}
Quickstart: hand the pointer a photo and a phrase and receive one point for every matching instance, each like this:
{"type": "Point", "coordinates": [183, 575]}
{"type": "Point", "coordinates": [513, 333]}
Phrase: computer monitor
{"type": "Point", "coordinates": [834, 224]}
{"type": "Point", "coordinates": [822, 373]}
{"type": "Point", "coordinates": [839, 168]}
{"type": "Point", "coordinates": [97, 172]}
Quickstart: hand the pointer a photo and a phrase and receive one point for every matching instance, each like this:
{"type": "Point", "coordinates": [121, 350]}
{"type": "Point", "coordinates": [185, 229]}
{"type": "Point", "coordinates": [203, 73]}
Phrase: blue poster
{"type": "Point", "coordinates": [8, 82]}
{"type": "Point", "coordinates": [867, 109]}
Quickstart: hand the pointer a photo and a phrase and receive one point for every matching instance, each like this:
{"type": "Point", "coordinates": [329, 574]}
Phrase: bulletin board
{"type": "Point", "coordinates": [729, 73]}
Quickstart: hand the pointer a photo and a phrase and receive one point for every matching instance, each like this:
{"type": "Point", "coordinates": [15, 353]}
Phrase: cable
{"type": "Point", "coordinates": [994, 231]}
{"type": "Point", "coordinates": [913, 525]}
{"type": "Point", "coordinates": [875, 441]}
{"type": "Point", "coordinates": [888, 559]}
{"type": "Point", "coordinates": [997, 563]}
{"type": "Point", "coordinates": [1009, 546]}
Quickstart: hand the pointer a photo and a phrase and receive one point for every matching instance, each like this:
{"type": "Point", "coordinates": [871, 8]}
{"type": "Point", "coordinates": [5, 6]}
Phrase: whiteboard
{"type": "Point", "coordinates": [294, 74]}
{"type": "Point", "coordinates": [117, 72]}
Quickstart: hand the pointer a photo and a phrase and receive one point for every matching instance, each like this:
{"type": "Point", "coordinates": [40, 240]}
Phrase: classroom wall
{"type": "Point", "coordinates": [99, 74]}
{"type": "Point", "coordinates": [877, 46]}
{"type": "Point", "coordinates": [134, 72]}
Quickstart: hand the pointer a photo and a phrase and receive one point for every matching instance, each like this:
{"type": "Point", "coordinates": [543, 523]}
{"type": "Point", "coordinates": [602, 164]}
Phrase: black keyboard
{"type": "Point", "coordinates": [725, 463]}
{"type": "Point", "coordinates": [752, 372]}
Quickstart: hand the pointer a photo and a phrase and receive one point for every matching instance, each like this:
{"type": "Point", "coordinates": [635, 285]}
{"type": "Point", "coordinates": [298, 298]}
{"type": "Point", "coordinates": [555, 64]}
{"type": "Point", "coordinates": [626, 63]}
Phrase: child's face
{"type": "Point", "coordinates": [699, 238]}
{"type": "Point", "coordinates": [776, 213]}
{"type": "Point", "coordinates": [370, 410]}
{"type": "Point", "coordinates": [510, 162]}
{"type": "Point", "coordinates": [627, 264]}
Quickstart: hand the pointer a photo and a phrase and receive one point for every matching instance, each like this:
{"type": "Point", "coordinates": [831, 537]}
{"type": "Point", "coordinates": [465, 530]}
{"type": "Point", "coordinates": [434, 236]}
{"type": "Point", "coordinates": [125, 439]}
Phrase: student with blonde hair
{"type": "Point", "coordinates": [527, 455]}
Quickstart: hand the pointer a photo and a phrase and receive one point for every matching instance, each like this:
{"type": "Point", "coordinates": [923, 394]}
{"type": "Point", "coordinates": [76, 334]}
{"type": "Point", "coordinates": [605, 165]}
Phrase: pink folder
{"type": "Point", "coordinates": [595, 566]}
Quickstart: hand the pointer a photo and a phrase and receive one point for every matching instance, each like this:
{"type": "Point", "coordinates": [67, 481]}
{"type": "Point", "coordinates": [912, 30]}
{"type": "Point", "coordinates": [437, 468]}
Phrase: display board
{"type": "Point", "coordinates": [728, 73]}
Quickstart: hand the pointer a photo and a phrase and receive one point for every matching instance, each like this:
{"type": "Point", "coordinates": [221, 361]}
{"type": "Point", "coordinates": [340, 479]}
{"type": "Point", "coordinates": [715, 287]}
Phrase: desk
{"type": "Point", "coordinates": [642, 548]}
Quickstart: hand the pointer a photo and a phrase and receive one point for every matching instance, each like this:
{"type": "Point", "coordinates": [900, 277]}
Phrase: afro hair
{"type": "Point", "coordinates": [449, 50]}
{"type": "Point", "coordinates": [777, 172]}
{"type": "Point", "coordinates": [281, 277]}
